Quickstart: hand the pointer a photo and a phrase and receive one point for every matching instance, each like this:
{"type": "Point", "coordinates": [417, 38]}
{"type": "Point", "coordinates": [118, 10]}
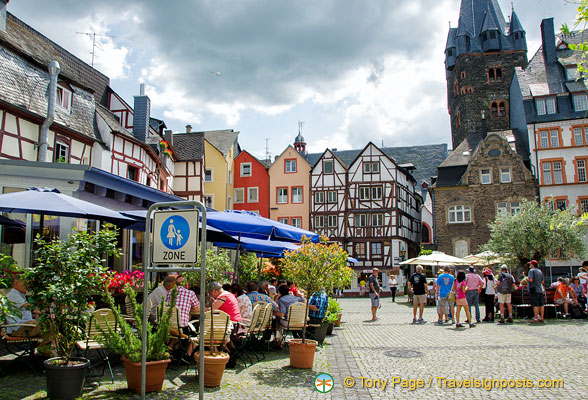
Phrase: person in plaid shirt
{"type": "Point", "coordinates": [187, 303]}
{"type": "Point", "coordinates": [317, 305]}
{"type": "Point", "coordinates": [255, 296]}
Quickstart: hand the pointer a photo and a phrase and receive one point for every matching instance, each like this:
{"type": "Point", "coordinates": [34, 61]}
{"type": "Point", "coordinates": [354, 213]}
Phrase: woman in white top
{"type": "Point", "coordinates": [245, 307]}
{"type": "Point", "coordinates": [489, 291]}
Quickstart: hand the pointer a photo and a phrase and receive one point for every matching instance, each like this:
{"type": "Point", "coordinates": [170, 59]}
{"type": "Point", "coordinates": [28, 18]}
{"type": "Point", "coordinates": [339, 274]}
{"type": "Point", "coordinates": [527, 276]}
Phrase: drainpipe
{"type": "Point", "coordinates": [53, 72]}
{"type": "Point", "coordinates": [537, 166]}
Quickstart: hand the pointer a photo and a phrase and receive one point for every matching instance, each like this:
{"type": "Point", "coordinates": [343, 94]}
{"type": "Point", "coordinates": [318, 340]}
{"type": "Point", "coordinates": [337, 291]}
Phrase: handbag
{"type": "Point", "coordinates": [451, 297]}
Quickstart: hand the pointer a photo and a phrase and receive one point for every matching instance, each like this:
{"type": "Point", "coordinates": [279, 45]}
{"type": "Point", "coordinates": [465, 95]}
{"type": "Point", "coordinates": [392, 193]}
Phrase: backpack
{"type": "Point", "coordinates": [506, 282]}
{"type": "Point", "coordinates": [577, 312]}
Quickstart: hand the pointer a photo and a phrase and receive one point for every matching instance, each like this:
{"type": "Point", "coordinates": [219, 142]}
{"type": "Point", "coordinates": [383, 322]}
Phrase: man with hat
{"type": "Point", "coordinates": [474, 283]}
{"type": "Point", "coordinates": [504, 289]}
{"type": "Point", "coordinates": [535, 288]}
{"type": "Point", "coordinates": [374, 290]}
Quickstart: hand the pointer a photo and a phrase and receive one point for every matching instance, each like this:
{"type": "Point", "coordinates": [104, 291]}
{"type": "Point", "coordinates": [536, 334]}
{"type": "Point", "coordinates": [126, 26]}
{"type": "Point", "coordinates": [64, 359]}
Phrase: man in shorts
{"type": "Point", "coordinates": [417, 285]}
{"type": "Point", "coordinates": [504, 289]}
{"type": "Point", "coordinates": [535, 288]}
{"type": "Point", "coordinates": [374, 290]}
{"type": "Point", "coordinates": [444, 286]}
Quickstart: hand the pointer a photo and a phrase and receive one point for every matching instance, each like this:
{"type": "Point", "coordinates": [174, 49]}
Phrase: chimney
{"type": "Point", "coordinates": [188, 128]}
{"type": "Point", "coordinates": [142, 110]}
{"type": "Point", "coordinates": [3, 4]}
{"type": "Point", "coordinates": [168, 135]}
{"type": "Point", "coordinates": [548, 41]}
{"type": "Point", "coordinates": [484, 127]}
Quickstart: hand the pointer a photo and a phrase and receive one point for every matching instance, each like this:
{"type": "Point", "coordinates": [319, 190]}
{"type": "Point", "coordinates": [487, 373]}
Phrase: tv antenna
{"type": "Point", "coordinates": [267, 152]}
{"type": "Point", "coordinates": [93, 36]}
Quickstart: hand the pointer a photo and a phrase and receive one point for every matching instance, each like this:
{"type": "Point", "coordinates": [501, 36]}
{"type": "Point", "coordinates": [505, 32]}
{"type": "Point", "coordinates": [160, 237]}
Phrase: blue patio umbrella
{"type": "Point", "coordinates": [262, 247]}
{"type": "Point", "coordinates": [242, 224]}
{"type": "Point", "coordinates": [212, 234]}
{"type": "Point", "coordinates": [53, 202]}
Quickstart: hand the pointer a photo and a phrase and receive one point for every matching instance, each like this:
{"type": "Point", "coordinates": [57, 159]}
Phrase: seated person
{"type": "Point", "coordinates": [17, 296]}
{"type": "Point", "coordinates": [294, 290]}
{"type": "Point", "coordinates": [255, 296]}
{"type": "Point", "coordinates": [159, 293]}
{"type": "Point", "coordinates": [556, 283]}
{"type": "Point", "coordinates": [187, 303]}
{"type": "Point", "coordinates": [317, 308]}
{"type": "Point", "coordinates": [579, 290]}
{"type": "Point", "coordinates": [273, 286]}
{"type": "Point", "coordinates": [561, 296]}
{"type": "Point", "coordinates": [285, 301]}
{"type": "Point", "coordinates": [245, 307]}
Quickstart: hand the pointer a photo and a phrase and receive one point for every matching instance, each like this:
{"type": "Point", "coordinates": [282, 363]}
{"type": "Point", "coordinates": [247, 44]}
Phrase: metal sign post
{"type": "Point", "coordinates": [174, 238]}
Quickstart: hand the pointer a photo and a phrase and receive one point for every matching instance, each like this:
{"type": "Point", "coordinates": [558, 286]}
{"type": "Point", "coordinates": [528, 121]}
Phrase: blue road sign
{"type": "Point", "coordinates": [175, 232]}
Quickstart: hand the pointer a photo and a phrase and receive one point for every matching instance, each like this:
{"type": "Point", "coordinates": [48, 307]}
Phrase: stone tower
{"type": "Point", "coordinates": [480, 57]}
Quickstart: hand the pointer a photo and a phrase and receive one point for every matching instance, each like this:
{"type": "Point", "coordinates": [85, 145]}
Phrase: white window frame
{"type": "Point", "coordinates": [554, 138]}
{"type": "Point", "coordinates": [583, 205]}
{"type": "Point", "coordinates": [328, 162]}
{"type": "Point", "coordinates": [540, 104]}
{"type": "Point", "coordinates": [332, 197]}
{"type": "Point", "coordinates": [253, 194]}
{"type": "Point", "coordinates": [242, 171]}
{"type": "Point", "coordinates": [544, 139]}
{"type": "Point", "coordinates": [580, 102]}
{"type": "Point", "coordinates": [319, 197]}
{"type": "Point", "coordinates": [296, 222]}
{"type": "Point", "coordinates": [459, 215]}
{"type": "Point", "coordinates": [239, 194]}
{"type": "Point", "coordinates": [486, 177]}
{"type": "Point", "coordinates": [211, 179]}
{"type": "Point", "coordinates": [290, 166]}
{"type": "Point", "coordinates": [371, 167]}
{"type": "Point", "coordinates": [208, 200]}
{"type": "Point", "coordinates": [550, 105]}
{"type": "Point", "coordinates": [546, 169]}
{"type": "Point", "coordinates": [64, 98]}
{"type": "Point", "coordinates": [282, 194]}
{"type": "Point", "coordinates": [515, 207]}
{"type": "Point", "coordinates": [61, 151]}
{"type": "Point", "coordinates": [332, 220]}
{"type": "Point", "coordinates": [361, 220]}
{"type": "Point", "coordinates": [364, 192]}
{"type": "Point", "coordinates": [297, 197]}
{"type": "Point", "coordinates": [578, 136]}
{"type": "Point", "coordinates": [505, 176]}
{"type": "Point", "coordinates": [284, 220]}
{"type": "Point", "coordinates": [376, 250]}
{"type": "Point", "coordinates": [501, 207]}
{"type": "Point", "coordinates": [581, 165]}
{"type": "Point", "coordinates": [377, 192]}
{"type": "Point", "coordinates": [319, 221]}
{"type": "Point", "coordinates": [378, 219]}
{"type": "Point", "coordinates": [557, 172]}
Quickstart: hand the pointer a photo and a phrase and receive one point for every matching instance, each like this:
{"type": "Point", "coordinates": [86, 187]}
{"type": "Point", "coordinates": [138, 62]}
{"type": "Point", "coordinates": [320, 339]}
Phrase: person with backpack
{"type": "Point", "coordinates": [489, 293]}
{"type": "Point", "coordinates": [504, 289]}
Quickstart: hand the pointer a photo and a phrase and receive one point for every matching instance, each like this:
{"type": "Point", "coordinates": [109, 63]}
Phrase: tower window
{"type": "Point", "coordinates": [458, 119]}
{"type": "Point", "coordinates": [492, 34]}
{"type": "Point", "coordinates": [494, 74]}
{"type": "Point", "coordinates": [497, 108]}
{"type": "Point", "coordinates": [455, 88]}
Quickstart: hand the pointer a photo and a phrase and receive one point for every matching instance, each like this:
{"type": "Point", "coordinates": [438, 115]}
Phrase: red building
{"type": "Point", "coordinates": [251, 185]}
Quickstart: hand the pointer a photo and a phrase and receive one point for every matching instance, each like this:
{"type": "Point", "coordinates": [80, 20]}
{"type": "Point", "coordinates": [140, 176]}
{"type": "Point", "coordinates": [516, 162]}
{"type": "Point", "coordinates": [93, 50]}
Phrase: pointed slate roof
{"type": "Point", "coordinates": [223, 139]}
{"type": "Point", "coordinates": [451, 38]}
{"type": "Point", "coordinates": [490, 23]}
{"type": "Point", "coordinates": [515, 24]}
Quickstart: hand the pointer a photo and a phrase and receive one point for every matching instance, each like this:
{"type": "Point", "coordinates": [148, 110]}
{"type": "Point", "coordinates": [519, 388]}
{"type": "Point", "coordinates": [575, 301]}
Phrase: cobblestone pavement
{"type": "Point", "coordinates": [388, 349]}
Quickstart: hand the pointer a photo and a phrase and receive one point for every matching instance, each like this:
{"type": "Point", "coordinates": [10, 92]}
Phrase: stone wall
{"type": "Point", "coordinates": [475, 92]}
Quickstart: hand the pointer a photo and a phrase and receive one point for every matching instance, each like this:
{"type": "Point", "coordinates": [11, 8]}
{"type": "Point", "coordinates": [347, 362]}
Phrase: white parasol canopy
{"type": "Point", "coordinates": [436, 258]}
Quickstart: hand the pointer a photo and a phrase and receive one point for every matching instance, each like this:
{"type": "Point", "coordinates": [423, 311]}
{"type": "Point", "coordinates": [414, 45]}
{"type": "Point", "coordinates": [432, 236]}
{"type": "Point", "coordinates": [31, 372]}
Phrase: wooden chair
{"type": "Point", "coordinates": [217, 325]}
{"type": "Point", "coordinates": [23, 347]}
{"type": "Point", "coordinates": [295, 320]}
{"type": "Point", "coordinates": [103, 318]}
{"type": "Point", "coordinates": [248, 341]}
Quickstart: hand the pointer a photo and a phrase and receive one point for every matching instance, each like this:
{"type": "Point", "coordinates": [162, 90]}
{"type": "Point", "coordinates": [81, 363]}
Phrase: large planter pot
{"type": "Point", "coordinates": [302, 354]}
{"type": "Point", "coordinates": [330, 329]}
{"type": "Point", "coordinates": [338, 322]}
{"type": "Point", "coordinates": [65, 382]}
{"type": "Point", "coordinates": [154, 376]}
{"type": "Point", "coordinates": [320, 333]}
{"type": "Point", "coordinates": [214, 367]}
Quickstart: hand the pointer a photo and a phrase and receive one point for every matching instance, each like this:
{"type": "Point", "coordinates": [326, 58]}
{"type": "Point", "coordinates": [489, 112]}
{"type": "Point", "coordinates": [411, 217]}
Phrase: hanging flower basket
{"type": "Point", "coordinates": [163, 145]}
{"type": "Point", "coordinates": [167, 152]}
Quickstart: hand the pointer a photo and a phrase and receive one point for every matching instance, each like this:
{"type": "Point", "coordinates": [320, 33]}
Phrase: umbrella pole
{"type": "Point", "coordinates": [236, 277]}
{"type": "Point", "coordinates": [259, 268]}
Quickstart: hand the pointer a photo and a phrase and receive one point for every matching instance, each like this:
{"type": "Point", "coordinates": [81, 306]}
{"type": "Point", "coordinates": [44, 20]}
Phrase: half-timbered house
{"type": "Point", "coordinates": [189, 164]}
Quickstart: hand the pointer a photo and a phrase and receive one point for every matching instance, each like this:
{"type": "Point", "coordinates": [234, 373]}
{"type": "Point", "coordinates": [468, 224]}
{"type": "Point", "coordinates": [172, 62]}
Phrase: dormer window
{"type": "Point", "coordinates": [61, 152]}
{"type": "Point", "coordinates": [63, 98]}
{"type": "Point", "coordinates": [545, 105]}
{"type": "Point", "coordinates": [580, 102]}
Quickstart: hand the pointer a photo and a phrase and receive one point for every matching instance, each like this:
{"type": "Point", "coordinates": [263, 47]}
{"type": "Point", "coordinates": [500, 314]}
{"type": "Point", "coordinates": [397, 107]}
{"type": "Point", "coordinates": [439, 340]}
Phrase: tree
{"type": "Point", "coordinates": [315, 266]}
{"type": "Point", "coordinates": [538, 231]}
{"type": "Point", "coordinates": [581, 21]}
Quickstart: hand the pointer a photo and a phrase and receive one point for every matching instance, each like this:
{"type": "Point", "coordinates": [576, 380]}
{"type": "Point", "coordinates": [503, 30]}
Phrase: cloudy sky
{"type": "Point", "coordinates": [352, 70]}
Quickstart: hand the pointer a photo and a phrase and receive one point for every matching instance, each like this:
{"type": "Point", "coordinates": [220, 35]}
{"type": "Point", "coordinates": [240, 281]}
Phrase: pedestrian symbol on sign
{"type": "Point", "coordinates": [175, 232]}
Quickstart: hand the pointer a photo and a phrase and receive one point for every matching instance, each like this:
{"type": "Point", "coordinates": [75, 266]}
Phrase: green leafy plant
{"type": "Point", "coordinates": [249, 268]}
{"type": "Point", "coordinates": [538, 231]}
{"type": "Point", "coordinates": [8, 269]}
{"type": "Point", "coordinates": [68, 274]}
{"type": "Point", "coordinates": [218, 268]}
{"type": "Point", "coordinates": [316, 265]}
{"type": "Point", "coordinates": [122, 339]}
{"type": "Point", "coordinates": [333, 311]}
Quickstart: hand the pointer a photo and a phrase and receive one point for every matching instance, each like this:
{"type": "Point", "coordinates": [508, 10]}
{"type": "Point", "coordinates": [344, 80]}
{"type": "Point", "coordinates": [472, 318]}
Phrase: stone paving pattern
{"type": "Point", "coordinates": [388, 348]}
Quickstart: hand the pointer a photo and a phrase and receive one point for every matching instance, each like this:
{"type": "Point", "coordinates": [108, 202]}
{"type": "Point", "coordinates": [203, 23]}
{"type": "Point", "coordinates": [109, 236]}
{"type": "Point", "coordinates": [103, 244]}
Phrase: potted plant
{"type": "Point", "coordinates": [333, 315]}
{"type": "Point", "coordinates": [68, 274]}
{"type": "Point", "coordinates": [313, 266]}
{"type": "Point", "coordinates": [124, 340]}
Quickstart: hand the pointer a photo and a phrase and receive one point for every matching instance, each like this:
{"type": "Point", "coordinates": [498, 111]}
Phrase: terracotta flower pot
{"type": "Point", "coordinates": [338, 322]}
{"type": "Point", "coordinates": [302, 354]}
{"type": "Point", "coordinates": [154, 376]}
{"type": "Point", "coordinates": [214, 367]}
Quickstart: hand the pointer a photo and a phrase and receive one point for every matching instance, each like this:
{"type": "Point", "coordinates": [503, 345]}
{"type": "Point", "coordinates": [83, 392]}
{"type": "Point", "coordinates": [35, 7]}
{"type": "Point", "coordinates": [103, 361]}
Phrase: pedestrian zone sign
{"type": "Point", "coordinates": [175, 237]}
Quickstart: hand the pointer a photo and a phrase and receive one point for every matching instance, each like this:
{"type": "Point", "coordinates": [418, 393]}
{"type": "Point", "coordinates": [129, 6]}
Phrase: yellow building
{"type": "Point", "coordinates": [289, 189]}
{"type": "Point", "coordinates": [220, 149]}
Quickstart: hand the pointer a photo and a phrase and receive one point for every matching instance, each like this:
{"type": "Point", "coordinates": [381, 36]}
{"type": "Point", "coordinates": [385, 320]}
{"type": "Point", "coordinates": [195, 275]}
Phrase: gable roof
{"type": "Point", "coordinates": [263, 163]}
{"type": "Point", "coordinates": [188, 146]}
{"type": "Point", "coordinates": [425, 158]}
{"type": "Point", "coordinates": [37, 48]}
{"type": "Point", "coordinates": [222, 140]}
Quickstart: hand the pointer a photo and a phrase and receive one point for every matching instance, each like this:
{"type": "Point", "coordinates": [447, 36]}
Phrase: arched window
{"type": "Point", "coordinates": [495, 74]}
{"type": "Point", "coordinates": [425, 234]}
{"type": "Point", "coordinates": [459, 215]}
{"type": "Point", "coordinates": [455, 88]}
{"type": "Point", "coordinates": [497, 108]}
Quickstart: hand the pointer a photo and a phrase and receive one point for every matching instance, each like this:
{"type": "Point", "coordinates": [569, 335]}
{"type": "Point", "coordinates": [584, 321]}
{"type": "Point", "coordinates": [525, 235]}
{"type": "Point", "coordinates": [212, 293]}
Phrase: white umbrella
{"type": "Point", "coordinates": [485, 259]}
{"type": "Point", "coordinates": [436, 258]}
